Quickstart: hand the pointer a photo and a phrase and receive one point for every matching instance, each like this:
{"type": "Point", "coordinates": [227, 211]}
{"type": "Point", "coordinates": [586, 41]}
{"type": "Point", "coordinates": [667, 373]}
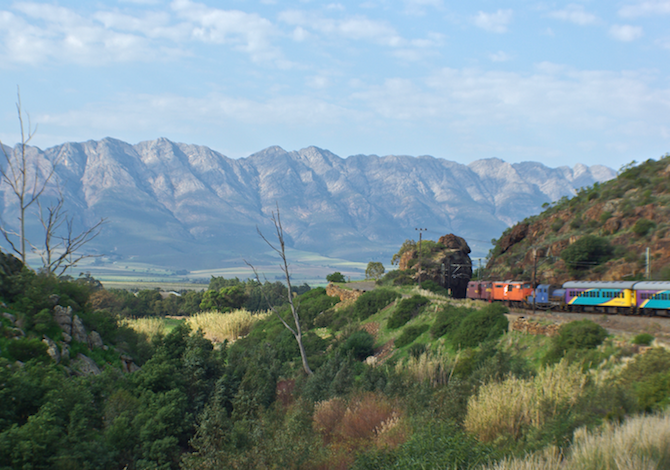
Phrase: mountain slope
{"type": "Point", "coordinates": [626, 215]}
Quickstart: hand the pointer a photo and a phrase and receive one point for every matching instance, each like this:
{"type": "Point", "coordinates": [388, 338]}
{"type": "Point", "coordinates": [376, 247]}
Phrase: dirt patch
{"type": "Point", "coordinates": [384, 352]}
{"type": "Point", "coordinates": [372, 328]}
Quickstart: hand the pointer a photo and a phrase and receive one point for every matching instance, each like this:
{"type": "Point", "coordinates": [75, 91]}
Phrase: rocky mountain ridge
{"type": "Point", "coordinates": [188, 206]}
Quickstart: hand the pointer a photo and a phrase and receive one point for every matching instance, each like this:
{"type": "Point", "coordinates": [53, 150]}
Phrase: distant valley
{"type": "Point", "coordinates": [190, 210]}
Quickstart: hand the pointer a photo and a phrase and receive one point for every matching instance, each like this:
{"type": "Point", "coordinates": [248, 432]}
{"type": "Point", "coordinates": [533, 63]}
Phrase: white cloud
{"type": "Point", "coordinates": [418, 7]}
{"type": "Point", "coordinates": [248, 32]}
{"type": "Point", "coordinates": [500, 56]}
{"type": "Point", "coordinates": [575, 14]}
{"type": "Point", "coordinates": [494, 22]}
{"type": "Point", "coordinates": [645, 8]}
{"type": "Point", "coordinates": [625, 33]}
{"type": "Point", "coordinates": [355, 27]}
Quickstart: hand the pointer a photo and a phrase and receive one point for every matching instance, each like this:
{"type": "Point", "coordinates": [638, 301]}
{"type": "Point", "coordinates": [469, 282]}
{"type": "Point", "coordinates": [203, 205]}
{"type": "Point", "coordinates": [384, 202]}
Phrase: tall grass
{"type": "Point", "coordinates": [430, 367]}
{"type": "Point", "coordinates": [505, 408]}
{"type": "Point", "coordinates": [640, 443]}
{"type": "Point", "coordinates": [150, 326]}
{"type": "Point", "coordinates": [218, 327]}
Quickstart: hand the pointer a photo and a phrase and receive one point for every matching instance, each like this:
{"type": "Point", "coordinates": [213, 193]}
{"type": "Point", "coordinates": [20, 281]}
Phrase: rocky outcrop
{"type": "Point", "coordinates": [344, 294]}
{"type": "Point", "coordinates": [52, 349]}
{"type": "Point", "coordinates": [128, 365]}
{"type": "Point", "coordinates": [74, 329]}
{"type": "Point", "coordinates": [84, 365]}
{"type": "Point", "coordinates": [448, 264]}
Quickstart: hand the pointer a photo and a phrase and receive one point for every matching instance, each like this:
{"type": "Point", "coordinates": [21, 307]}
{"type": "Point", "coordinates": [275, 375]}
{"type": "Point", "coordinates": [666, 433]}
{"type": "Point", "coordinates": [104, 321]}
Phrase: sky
{"type": "Point", "coordinates": [556, 82]}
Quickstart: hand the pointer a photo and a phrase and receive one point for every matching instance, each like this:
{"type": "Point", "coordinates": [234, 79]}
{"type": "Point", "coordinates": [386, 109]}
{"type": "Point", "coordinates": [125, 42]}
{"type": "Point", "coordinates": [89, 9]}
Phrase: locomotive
{"type": "Point", "coordinates": [615, 297]}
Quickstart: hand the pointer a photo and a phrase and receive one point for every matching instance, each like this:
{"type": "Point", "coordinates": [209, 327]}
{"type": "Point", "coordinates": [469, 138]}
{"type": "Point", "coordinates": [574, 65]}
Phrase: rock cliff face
{"type": "Point", "coordinates": [192, 207]}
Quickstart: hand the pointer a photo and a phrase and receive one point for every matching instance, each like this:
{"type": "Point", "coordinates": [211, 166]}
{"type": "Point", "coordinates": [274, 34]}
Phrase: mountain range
{"type": "Point", "coordinates": [189, 207]}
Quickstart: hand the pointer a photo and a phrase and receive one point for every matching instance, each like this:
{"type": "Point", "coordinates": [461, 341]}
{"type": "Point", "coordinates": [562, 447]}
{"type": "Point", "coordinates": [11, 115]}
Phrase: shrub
{"type": "Point", "coordinates": [586, 252]}
{"type": "Point", "coordinates": [434, 287]}
{"type": "Point", "coordinates": [643, 338]}
{"type": "Point", "coordinates": [643, 226]}
{"type": "Point", "coordinates": [360, 343]}
{"type": "Point", "coordinates": [25, 349]}
{"type": "Point", "coordinates": [409, 334]}
{"type": "Point", "coordinates": [406, 310]}
{"type": "Point", "coordinates": [448, 320]}
{"type": "Point", "coordinates": [482, 325]}
{"type": "Point", "coordinates": [335, 277]}
{"type": "Point", "coordinates": [396, 278]}
{"type": "Point", "coordinates": [417, 349]}
{"type": "Point", "coordinates": [649, 377]}
{"type": "Point", "coordinates": [371, 302]}
{"type": "Point", "coordinates": [574, 337]}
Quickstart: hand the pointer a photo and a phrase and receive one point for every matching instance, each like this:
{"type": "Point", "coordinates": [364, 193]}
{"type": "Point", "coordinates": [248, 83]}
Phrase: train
{"type": "Point", "coordinates": [646, 298]}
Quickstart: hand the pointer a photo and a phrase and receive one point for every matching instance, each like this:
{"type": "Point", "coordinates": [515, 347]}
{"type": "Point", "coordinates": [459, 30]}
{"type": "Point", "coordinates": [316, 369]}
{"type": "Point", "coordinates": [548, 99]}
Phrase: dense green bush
{"type": "Point", "coordinates": [440, 444]}
{"type": "Point", "coordinates": [575, 337]}
{"type": "Point", "coordinates": [25, 349]}
{"type": "Point", "coordinates": [397, 278]}
{"type": "Point", "coordinates": [409, 334]}
{"type": "Point", "coordinates": [406, 310]}
{"type": "Point", "coordinates": [586, 253]}
{"type": "Point", "coordinates": [373, 301]}
{"type": "Point", "coordinates": [335, 277]}
{"type": "Point", "coordinates": [448, 320]}
{"type": "Point", "coordinates": [434, 287]}
{"type": "Point", "coordinates": [360, 344]}
{"type": "Point", "coordinates": [417, 349]}
{"type": "Point", "coordinates": [649, 377]}
{"type": "Point", "coordinates": [643, 226]}
{"type": "Point", "coordinates": [643, 338]}
{"type": "Point", "coordinates": [481, 325]}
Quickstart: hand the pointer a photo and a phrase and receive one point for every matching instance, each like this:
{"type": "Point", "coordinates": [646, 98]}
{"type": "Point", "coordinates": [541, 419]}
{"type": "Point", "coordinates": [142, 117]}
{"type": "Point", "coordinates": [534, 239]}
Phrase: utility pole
{"type": "Point", "coordinates": [420, 230]}
{"type": "Point", "coordinates": [648, 268]}
{"type": "Point", "coordinates": [534, 284]}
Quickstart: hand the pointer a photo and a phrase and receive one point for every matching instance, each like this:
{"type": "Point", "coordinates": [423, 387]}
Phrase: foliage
{"type": "Point", "coordinates": [586, 252]}
{"type": "Point", "coordinates": [409, 334]}
{"type": "Point", "coordinates": [372, 301]}
{"type": "Point", "coordinates": [406, 310]}
{"type": "Point", "coordinates": [407, 245]}
{"type": "Point", "coordinates": [359, 344]}
{"type": "Point", "coordinates": [336, 277]}
{"type": "Point", "coordinates": [481, 325]}
{"type": "Point", "coordinates": [396, 278]}
{"type": "Point", "coordinates": [643, 339]}
{"type": "Point", "coordinates": [575, 337]}
{"type": "Point", "coordinates": [225, 299]}
{"type": "Point", "coordinates": [433, 287]}
{"type": "Point", "coordinates": [643, 226]}
{"type": "Point", "coordinates": [374, 270]}
{"type": "Point", "coordinates": [649, 376]}
{"type": "Point", "coordinates": [438, 445]}
{"type": "Point", "coordinates": [448, 320]}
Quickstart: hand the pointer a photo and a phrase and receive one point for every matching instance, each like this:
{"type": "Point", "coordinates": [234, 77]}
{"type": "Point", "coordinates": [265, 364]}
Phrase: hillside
{"type": "Point", "coordinates": [189, 207]}
{"type": "Point", "coordinates": [600, 234]}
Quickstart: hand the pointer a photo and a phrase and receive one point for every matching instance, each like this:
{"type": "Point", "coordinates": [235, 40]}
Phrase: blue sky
{"type": "Point", "coordinates": [555, 82]}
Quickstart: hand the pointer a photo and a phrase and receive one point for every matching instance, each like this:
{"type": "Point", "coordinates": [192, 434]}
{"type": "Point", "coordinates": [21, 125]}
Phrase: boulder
{"type": "Point", "coordinates": [52, 349]}
{"type": "Point", "coordinates": [127, 364]}
{"type": "Point", "coordinates": [78, 330]}
{"type": "Point", "coordinates": [64, 351]}
{"type": "Point", "coordinates": [63, 317]}
{"type": "Point", "coordinates": [94, 340]}
{"type": "Point", "coordinates": [84, 365]}
{"type": "Point", "coordinates": [9, 317]}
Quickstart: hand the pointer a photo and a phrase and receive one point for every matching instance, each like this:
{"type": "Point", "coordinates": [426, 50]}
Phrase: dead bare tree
{"type": "Point", "coordinates": [28, 181]}
{"type": "Point", "coordinates": [25, 179]}
{"type": "Point", "coordinates": [60, 250]}
{"type": "Point", "coordinates": [281, 251]}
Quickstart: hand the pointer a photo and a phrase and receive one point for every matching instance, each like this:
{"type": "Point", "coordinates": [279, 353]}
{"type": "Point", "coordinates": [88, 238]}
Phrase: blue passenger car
{"type": "Point", "coordinates": [604, 296]}
{"type": "Point", "coordinates": [653, 297]}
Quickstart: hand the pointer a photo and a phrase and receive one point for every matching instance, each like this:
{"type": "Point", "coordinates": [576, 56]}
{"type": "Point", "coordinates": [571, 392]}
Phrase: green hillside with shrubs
{"type": "Point", "coordinates": [402, 378]}
{"type": "Point", "coordinates": [602, 233]}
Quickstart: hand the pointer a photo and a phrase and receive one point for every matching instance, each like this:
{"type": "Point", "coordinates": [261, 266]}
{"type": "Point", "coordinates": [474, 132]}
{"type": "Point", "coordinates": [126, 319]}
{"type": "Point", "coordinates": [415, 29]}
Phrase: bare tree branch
{"type": "Point", "coordinates": [281, 251]}
{"type": "Point", "coordinates": [24, 177]}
